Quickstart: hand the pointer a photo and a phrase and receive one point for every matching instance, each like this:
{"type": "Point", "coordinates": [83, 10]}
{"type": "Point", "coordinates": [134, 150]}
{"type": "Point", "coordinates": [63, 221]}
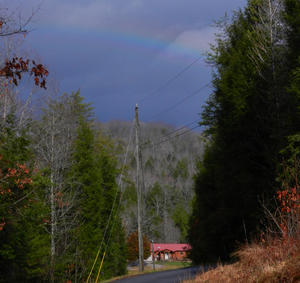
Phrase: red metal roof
{"type": "Point", "coordinates": [170, 247]}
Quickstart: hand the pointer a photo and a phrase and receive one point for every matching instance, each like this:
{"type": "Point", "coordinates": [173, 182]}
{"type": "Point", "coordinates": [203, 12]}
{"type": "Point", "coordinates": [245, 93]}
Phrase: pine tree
{"type": "Point", "coordinates": [94, 170]}
{"type": "Point", "coordinates": [292, 19]}
{"type": "Point", "coordinates": [24, 245]}
{"type": "Point", "coordinates": [247, 124]}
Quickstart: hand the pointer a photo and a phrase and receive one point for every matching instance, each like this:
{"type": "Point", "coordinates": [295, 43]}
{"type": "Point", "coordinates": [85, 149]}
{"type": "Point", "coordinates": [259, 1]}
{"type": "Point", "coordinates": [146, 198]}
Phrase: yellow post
{"type": "Point", "coordinates": [87, 280]}
{"type": "Point", "coordinates": [100, 268]}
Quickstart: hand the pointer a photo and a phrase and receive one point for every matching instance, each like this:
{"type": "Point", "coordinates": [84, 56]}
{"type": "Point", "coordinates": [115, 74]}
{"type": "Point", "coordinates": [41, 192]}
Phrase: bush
{"type": "Point", "coordinates": [133, 247]}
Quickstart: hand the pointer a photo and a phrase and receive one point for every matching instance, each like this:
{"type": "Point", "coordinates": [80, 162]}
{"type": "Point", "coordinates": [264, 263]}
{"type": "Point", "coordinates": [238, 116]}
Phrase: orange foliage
{"type": "Point", "coordinates": [290, 200]}
{"type": "Point", "coordinates": [17, 176]}
{"type": "Point", "coordinates": [14, 68]}
{"type": "Point", "coordinates": [133, 246]}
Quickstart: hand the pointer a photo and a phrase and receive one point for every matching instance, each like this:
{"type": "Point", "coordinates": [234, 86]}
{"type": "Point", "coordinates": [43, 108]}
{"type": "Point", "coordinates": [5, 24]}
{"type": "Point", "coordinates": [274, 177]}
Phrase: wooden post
{"type": "Point", "coordinates": [153, 258]}
{"type": "Point", "coordinates": [138, 190]}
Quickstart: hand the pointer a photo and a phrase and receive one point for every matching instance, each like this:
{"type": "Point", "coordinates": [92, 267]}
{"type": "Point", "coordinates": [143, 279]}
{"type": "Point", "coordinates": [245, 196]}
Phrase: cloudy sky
{"type": "Point", "coordinates": [122, 52]}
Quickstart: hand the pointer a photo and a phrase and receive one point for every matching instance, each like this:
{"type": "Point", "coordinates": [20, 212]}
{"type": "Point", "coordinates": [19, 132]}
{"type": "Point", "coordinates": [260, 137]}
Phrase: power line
{"type": "Point", "coordinates": [111, 230]}
{"type": "Point", "coordinates": [112, 227]}
{"type": "Point", "coordinates": [169, 81]}
{"type": "Point", "coordinates": [181, 101]}
{"type": "Point", "coordinates": [166, 140]}
{"type": "Point", "coordinates": [182, 127]}
{"type": "Point", "coordinates": [175, 131]}
{"type": "Point", "coordinates": [176, 136]}
{"type": "Point", "coordinates": [120, 183]}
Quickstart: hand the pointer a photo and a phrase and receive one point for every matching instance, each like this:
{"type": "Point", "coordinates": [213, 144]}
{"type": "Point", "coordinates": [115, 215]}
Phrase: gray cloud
{"type": "Point", "coordinates": [165, 19]}
{"type": "Point", "coordinates": [117, 51]}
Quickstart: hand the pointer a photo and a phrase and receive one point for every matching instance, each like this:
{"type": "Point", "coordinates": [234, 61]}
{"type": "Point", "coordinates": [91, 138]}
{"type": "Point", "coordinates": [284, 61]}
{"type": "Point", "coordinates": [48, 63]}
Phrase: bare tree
{"type": "Point", "coordinates": [13, 22]}
{"type": "Point", "coordinates": [12, 66]}
{"type": "Point", "coordinates": [267, 35]}
{"type": "Point", "coordinates": [55, 135]}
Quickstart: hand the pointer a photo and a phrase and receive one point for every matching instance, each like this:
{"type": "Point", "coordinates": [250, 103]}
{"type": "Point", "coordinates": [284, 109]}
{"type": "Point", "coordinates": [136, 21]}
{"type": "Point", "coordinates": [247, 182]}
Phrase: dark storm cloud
{"type": "Point", "coordinates": [117, 51]}
{"type": "Point", "coordinates": [163, 19]}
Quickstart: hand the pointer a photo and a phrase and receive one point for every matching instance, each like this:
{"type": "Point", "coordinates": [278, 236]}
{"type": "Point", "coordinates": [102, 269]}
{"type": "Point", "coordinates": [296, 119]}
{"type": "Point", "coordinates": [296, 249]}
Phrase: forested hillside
{"type": "Point", "coordinates": [252, 120]}
{"type": "Point", "coordinates": [169, 160]}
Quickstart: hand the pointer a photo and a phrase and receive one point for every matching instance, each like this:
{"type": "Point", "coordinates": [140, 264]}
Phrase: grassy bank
{"type": "Point", "coordinates": [273, 261]}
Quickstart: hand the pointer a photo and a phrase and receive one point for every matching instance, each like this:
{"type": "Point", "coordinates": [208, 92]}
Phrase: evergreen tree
{"type": "Point", "coordinates": [247, 124]}
{"type": "Point", "coordinates": [24, 247]}
{"type": "Point", "coordinates": [292, 19]}
{"type": "Point", "coordinates": [94, 170]}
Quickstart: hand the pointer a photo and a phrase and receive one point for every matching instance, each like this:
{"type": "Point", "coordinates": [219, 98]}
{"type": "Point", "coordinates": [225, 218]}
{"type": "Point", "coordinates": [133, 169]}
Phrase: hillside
{"type": "Point", "coordinates": [168, 168]}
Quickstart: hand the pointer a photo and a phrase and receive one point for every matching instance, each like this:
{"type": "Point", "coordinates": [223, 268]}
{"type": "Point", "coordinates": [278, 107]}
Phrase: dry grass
{"type": "Point", "coordinates": [276, 260]}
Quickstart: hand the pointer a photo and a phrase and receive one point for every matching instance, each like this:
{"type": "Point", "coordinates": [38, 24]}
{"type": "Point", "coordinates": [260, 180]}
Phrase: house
{"type": "Point", "coordinates": [171, 252]}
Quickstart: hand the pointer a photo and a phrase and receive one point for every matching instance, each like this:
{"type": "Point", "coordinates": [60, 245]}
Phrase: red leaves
{"type": "Point", "coordinates": [11, 172]}
{"type": "Point", "coordinates": [39, 72]}
{"type": "Point", "coordinates": [132, 245]}
{"type": "Point", "coordinates": [36, 81]}
{"type": "Point", "coordinates": [289, 207]}
{"type": "Point", "coordinates": [16, 176]}
{"type": "Point", "coordinates": [289, 200]}
{"type": "Point", "coordinates": [14, 68]}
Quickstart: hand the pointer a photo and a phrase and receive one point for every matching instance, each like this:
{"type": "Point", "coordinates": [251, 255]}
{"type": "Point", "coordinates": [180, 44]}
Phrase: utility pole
{"type": "Point", "coordinates": [138, 189]}
{"type": "Point", "coordinates": [153, 258]}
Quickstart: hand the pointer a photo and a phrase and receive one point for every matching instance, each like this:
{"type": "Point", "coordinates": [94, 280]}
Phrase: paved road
{"type": "Point", "coordinates": [170, 276]}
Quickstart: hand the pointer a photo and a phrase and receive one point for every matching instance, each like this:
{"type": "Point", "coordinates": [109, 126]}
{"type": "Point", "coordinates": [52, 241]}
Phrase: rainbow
{"type": "Point", "coordinates": [148, 43]}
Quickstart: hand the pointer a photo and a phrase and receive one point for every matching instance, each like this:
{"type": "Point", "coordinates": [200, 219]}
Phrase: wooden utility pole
{"type": "Point", "coordinates": [138, 190]}
{"type": "Point", "coordinates": [153, 257]}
